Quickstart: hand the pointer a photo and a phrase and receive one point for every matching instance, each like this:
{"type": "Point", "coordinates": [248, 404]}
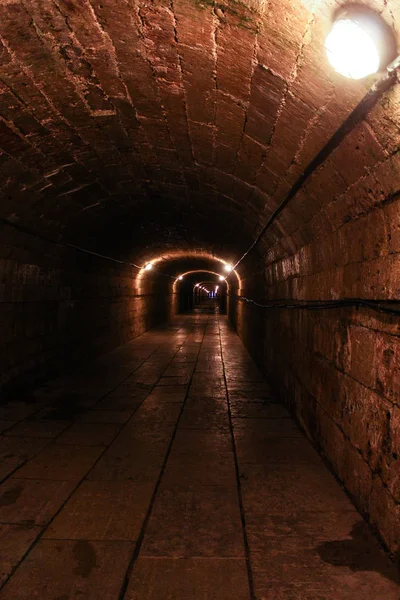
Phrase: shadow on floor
{"type": "Point", "coordinates": [358, 554]}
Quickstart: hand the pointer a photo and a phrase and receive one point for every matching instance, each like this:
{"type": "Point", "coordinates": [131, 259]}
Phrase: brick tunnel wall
{"type": "Point", "coordinates": [339, 369]}
{"type": "Point", "coordinates": [58, 308]}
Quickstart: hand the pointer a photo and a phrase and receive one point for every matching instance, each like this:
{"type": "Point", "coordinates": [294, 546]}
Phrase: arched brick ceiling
{"type": "Point", "coordinates": [145, 125]}
{"type": "Point", "coordinates": [188, 262]}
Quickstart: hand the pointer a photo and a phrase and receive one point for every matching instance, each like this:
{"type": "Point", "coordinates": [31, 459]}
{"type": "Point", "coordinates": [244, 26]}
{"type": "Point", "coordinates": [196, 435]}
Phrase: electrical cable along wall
{"type": "Point", "coordinates": [322, 315]}
{"type": "Point", "coordinates": [382, 306]}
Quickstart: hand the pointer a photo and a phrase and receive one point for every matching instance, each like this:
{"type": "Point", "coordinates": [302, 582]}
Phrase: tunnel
{"type": "Point", "coordinates": [199, 300]}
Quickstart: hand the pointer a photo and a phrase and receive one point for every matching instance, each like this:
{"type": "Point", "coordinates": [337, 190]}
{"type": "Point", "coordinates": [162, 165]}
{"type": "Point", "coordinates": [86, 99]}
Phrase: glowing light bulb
{"type": "Point", "coordinates": [180, 277]}
{"type": "Point", "coordinates": [360, 43]}
{"type": "Point", "coordinates": [197, 285]}
{"type": "Point", "coordinates": [148, 267]}
{"type": "Point", "coordinates": [228, 268]}
{"type": "Point", "coordinates": [351, 50]}
{"type": "Point", "coordinates": [221, 278]}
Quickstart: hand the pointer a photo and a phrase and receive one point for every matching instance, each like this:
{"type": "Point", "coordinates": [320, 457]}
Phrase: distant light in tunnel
{"type": "Point", "coordinates": [180, 277]}
{"type": "Point", "coordinates": [148, 267]}
{"type": "Point", "coordinates": [221, 278]}
{"type": "Point", "coordinates": [197, 285]}
{"type": "Point", "coordinates": [228, 268]}
{"type": "Point", "coordinates": [359, 42]}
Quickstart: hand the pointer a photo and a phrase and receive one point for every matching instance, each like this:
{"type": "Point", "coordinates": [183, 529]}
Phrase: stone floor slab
{"type": "Point", "coordinates": [244, 386]}
{"type": "Point", "coordinates": [169, 394]}
{"type": "Point", "coordinates": [333, 569]}
{"type": "Point", "coordinates": [274, 450]}
{"type": "Point", "coordinates": [261, 409]}
{"type": "Point", "coordinates": [105, 416]}
{"type": "Point", "coordinates": [103, 511]}
{"type": "Point", "coordinates": [266, 428]}
{"type": "Point", "coordinates": [61, 462]}
{"type": "Point", "coordinates": [199, 521]}
{"type": "Point", "coordinates": [61, 569]}
{"type": "Point", "coordinates": [206, 415]}
{"type": "Point", "coordinates": [173, 381]}
{"type": "Point", "coordinates": [288, 489]}
{"type": "Point", "coordinates": [35, 428]}
{"type": "Point", "coordinates": [152, 411]}
{"type": "Point", "coordinates": [89, 434]}
{"type": "Point", "coordinates": [15, 541]}
{"type": "Point", "coordinates": [135, 459]}
{"type": "Point", "coordinates": [199, 442]}
{"type": "Point", "coordinates": [29, 501]}
{"type": "Point", "coordinates": [189, 579]}
{"type": "Point", "coordinates": [15, 451]}
{"type": "Point", "coordinates": [117, 404]}
{"type": "Point", "coordinates": [202, 469]}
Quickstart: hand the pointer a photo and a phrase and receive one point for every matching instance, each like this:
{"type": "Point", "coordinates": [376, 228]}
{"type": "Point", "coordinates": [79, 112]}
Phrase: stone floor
{"type": "Point", "coordinates": [168, 471]}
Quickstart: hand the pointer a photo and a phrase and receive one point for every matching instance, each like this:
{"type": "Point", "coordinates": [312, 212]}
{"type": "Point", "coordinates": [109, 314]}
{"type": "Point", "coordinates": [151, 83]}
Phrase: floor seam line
{"type": "Point", "coordinates": [146, 520]}
{"type": "Point", "coordinates": [238, 484]}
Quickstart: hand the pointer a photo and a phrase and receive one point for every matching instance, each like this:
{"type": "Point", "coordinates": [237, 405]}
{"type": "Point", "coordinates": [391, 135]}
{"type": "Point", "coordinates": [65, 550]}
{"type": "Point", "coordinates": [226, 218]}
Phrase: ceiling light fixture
{"type": "Point", "coordinates": [228, 268]}
{"type": "Point", "coordinates": [221, 278]}
{"type": "Point", "coordinates": [148, 267]}
{"type": "Point", "coordinates": [360, 43]}
{"type": "Point", "coordinates": [180, 277]}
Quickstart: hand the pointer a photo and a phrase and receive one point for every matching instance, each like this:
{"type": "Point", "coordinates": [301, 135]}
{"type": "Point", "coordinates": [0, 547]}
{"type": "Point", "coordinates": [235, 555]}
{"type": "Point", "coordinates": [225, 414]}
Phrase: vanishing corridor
{"type": "Point", "coordinates": [168, 471]}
